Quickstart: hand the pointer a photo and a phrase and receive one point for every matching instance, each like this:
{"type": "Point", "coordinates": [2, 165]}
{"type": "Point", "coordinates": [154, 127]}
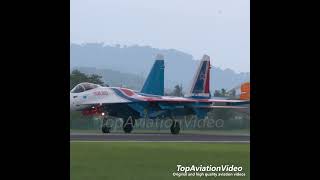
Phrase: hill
{"type": "Point", "coordinates": [129, 65]}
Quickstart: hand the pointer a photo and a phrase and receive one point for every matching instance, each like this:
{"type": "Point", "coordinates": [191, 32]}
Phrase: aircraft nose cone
{"type": "Point", "coordinates": [72, 105]}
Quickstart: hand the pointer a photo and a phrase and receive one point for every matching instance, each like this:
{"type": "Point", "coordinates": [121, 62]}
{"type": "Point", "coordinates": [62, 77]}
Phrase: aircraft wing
{"type": "Point", "coordinates": [203, 103]}
{"type": "Point", "coordinates": [221, 107]}
{"type": "Point", "coordinates": [191, 100]}
{"type": "Point", "coordinates": [168, 99]}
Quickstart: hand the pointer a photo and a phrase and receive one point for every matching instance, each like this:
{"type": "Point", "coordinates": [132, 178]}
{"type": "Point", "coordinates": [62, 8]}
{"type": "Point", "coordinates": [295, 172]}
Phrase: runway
{"type": "Point", "coordinates": [154, 137]}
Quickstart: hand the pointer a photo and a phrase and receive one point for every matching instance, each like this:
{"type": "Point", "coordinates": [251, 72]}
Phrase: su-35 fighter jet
{"type": "Point", "coordinates": [129, 104]}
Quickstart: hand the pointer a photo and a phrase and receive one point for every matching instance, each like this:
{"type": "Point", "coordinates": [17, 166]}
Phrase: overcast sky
{"type": "Point", "coordinates": [219, 28]}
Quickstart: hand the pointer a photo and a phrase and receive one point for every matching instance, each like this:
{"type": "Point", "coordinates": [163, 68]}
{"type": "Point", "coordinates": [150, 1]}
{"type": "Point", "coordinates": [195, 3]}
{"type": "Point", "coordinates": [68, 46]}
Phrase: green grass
{"type": "Point", "coordinates": [152, 161]}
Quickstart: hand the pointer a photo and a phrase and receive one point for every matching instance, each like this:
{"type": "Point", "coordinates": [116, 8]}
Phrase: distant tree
{"type": "Point", "coordinates": [220, 93]}
{"type": "Point", "coordinates": [223, 92]}
{"type": "Point", "coordinates": [177, 91]}
{"type": "Point", "coordinates": [77, 77]}
{"type": "Point", "coordinates": [217, 93]}
{"type": "Point", "coordinates": [96, 79]}
{"type": "Point", "coordinates": [232, 93]}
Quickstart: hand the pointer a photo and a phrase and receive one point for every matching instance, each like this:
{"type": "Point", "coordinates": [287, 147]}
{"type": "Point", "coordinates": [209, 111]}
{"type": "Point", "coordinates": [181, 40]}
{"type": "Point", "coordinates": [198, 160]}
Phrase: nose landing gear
{"type": "Point", "coordinates": [105, 127]}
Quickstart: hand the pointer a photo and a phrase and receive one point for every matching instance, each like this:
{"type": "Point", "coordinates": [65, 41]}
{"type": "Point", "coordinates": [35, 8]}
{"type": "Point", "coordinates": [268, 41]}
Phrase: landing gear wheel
{"type": "Point", "coordinates": [175, 127]}
{"type": "Point", "coordinates": [106, 129]}
{"type": "Point", "coordinates": [128, 125]}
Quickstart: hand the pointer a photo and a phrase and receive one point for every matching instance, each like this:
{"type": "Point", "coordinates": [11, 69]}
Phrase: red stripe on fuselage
{"type": "Point", "coordinates": [128, 92]}
{"type": "Point", "coordinates": [207, 87]}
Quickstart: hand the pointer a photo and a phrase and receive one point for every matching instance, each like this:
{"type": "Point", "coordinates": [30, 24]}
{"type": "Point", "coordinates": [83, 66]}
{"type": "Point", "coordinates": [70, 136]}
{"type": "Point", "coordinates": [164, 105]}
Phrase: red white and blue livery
{"type": "Point", "coordinates": [149, 102]}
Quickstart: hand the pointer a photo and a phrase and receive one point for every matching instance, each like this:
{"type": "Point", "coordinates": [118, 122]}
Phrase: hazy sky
{"type": "Point", "coordinates": [219, 28]}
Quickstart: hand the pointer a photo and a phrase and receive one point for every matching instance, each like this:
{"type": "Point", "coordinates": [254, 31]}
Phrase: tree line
{"type": "Point", "coordinates": [77, 77]}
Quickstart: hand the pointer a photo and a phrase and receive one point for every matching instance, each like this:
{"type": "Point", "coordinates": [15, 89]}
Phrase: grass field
{"type": "Point", "coordinates": [152, 161]}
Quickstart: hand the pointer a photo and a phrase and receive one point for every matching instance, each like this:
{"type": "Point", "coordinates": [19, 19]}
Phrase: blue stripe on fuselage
{"type": "Point", "coordinates": [148, 95]}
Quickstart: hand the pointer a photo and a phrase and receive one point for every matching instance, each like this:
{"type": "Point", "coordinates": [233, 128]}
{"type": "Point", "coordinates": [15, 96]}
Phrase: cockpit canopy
{"type": "Point", "coordinates": [84, 87]}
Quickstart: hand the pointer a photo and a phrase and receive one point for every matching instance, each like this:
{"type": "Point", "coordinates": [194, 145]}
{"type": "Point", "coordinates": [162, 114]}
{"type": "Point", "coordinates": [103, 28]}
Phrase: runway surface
{"type": "Point", "coordinates": [153, 137]}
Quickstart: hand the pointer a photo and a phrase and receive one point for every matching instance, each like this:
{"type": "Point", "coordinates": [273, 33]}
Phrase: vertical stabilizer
{"type": "Point", "coordinates": [154, 83]}
{"type": "Point", "coordinates": [200, 86]}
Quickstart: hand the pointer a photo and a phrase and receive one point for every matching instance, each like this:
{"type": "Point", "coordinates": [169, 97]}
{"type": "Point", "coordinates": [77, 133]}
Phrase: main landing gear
{"type": "Point", "coordinates": [175, 127]}
{"type": "Point", "coordinates": [128, 124]}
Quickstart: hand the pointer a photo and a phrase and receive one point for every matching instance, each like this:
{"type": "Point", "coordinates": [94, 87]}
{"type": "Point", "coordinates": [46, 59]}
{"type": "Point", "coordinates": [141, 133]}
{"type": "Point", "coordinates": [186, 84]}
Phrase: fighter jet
{"type": "Point", "coordinates": [129, 104]}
